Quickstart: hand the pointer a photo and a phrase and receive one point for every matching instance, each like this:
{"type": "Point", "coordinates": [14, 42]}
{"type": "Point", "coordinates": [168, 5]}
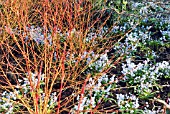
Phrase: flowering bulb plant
{"type": "Point", "coordinates": [82, 56]}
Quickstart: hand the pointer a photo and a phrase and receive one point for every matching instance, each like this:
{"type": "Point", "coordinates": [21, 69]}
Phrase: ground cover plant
{"type": "Point", "coordinates": [84, 56]}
